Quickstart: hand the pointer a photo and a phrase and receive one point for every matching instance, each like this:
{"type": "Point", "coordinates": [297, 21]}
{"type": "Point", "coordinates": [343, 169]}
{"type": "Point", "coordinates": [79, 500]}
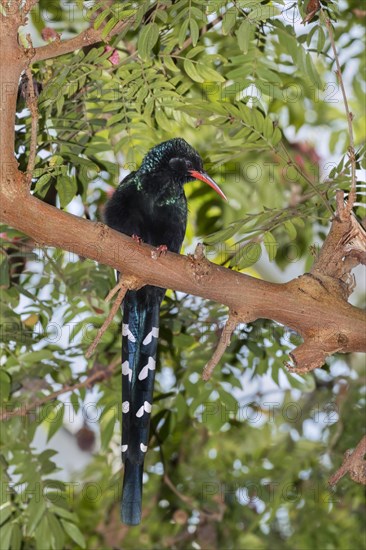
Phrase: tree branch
{"type": "Point", "coordinates": [97, 374]}
{"type": "Point", "coordinates": [122, 287]}
{"type": "Point", "coordinates": [86, 38]}
{"type": "Point", "coordinates": [224, 341]}
{"type": "Point", "coordinates": [354, 463]}
{"type": "Point", "coordinates": [31, 102]}
{"type": "Point", "coordinates": [314, 305]}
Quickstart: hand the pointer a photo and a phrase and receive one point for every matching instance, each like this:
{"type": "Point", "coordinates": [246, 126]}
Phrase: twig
{"type": "Point", "coordinates": [86, 38]}
{"type": "Point", "coordinates": [203, 31]}
{"type": "Point", "coordinates": [221, 346]}
{"type": "Point", "coordinates": [351, 148]}
{"type": "Point", "coordinates": [291, 162]}
{"type": "Point", "coordinates": [189, 501]}
{"type": "Point", "coordinates": [31, 102]}
{"type": "Point", "coordinates": [97, 375]}
{"type": "Point", "coordinates": [114, 291]}
{"type": "Point", "coordinates": [121, 287]}
{"type": "Point", "coordinates": [172, 487]}
{"type": "Point", "coordinates": [354, 463]}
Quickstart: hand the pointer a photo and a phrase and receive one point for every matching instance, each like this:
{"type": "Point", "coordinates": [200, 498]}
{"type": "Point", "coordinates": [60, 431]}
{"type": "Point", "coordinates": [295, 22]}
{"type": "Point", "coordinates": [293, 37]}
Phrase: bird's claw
{"type": "Point", "coordinates": [136, 238]}
{"type": "Point", "coordinates": [159, 251]}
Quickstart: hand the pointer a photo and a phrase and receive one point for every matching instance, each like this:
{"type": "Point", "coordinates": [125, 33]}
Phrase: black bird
{"type": "Point", "coordinates": [151, 205]}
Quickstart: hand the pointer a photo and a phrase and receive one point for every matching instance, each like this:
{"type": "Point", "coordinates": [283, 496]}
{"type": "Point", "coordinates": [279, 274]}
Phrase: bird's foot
{"type": "Point", "coordinates": [159, 251]}
{"type": "Point", "coordinates": [137, 238]}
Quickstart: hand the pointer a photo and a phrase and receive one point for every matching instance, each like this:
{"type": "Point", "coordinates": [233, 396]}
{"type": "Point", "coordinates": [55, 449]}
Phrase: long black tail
{"type": "Point", "coordinates": [140, 332]}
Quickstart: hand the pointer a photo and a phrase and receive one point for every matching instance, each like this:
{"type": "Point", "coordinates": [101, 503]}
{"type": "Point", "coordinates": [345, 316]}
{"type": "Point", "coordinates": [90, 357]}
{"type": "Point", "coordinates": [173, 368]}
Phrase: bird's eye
{"type": "Point", "coordinates": [189, 165]}
{"type": "Point", "coordinates": [177, 164]}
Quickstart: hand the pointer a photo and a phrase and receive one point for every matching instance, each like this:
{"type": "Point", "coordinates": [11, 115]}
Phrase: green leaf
{"type": "Point", "coordinates": [4, 272]}
{"type": "Point", "coordinates": [195, 31]}
{"type": "Point", "coordinates": [229, 402]}
{"type": "Point", "coordinates": [181, 406]}
{"type": "Point", "coordinates": [36, 509]}
{"type": "Point", "coordinates": [183, 32]}
{"type": "Point", "coordinates": [74, 533]}
{"type": "Point", "coordinates": [271, 245]}
{"type": "Point", "coordinates": [116, 118]}
{"type": "Point", "coordinates": [66, 188]}
{"type": "Point", "coordinates": [277, 136]}
{"type": "Point", "coordinates": [43, 535]}
{"type": "Point", "coordinates": [249, 255]}
{"type": "Point", "coordinates": [112, 22]}
{"type": "Point", "coordinates": [16, 537]}
{"type": "Point", "coordinates": [74, 399]}
{"type": "Point", "coordinates": [54, 419]}
{"type": "Point", "coordinates": [6, 532]}
{"type": "Point", "coordinates": [58, 536]}
{"type": "Point", "coordinates": [169, 63]}
{"type": "Point", "coordinates": [43, 185]}
{"type": "Point", "coordinates": [244, 36]}
{"type": "Point", "coordinates": [298, 221]}
{"type": "Point", "coordinates": [312, 73]}
{"type": "Point", "coordinates": [223, 234]}
{"type": "Point", "coordinates": [63, 513]}
{"type": "Point", "coordinates": [263, 12]}
{"type": "Point", "coordinates": [267, 128]}
{"type": "Point", "coordinates": [100, 18]}
{"type": "Point", "coordinates": [209, 74]}
{"type": "Point", "coordinates": [321, 40]}
{"type": "Point", "coordinates": [195, 51]}
{"type": "Point", "coordinates": [5, 385]}
{"type": "Point", "coordinates": [291, 229]}
{"type": "Point", "coordinates": [33, 357]}
{"type": "Point", "coordinates": [107, 430]}
{"type": "Point", "coordinates": [228, 21]}
{"type": "Point", "coordinates": [191, 71]}
{"type": "Point", "coordinates": [5, 509]}
{"type": "Point", "coordinates": [148, 37]}
{"type": "Point", "coordinates": [162, 120]}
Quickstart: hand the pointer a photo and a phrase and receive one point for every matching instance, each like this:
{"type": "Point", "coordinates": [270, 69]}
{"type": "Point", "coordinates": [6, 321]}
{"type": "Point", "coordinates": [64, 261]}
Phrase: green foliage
{"type": "Point", "coordinates": [243, 82]}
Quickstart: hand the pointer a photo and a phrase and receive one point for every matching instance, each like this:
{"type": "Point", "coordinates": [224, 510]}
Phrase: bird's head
{"type": "Point", "coordinates": [180, 160]}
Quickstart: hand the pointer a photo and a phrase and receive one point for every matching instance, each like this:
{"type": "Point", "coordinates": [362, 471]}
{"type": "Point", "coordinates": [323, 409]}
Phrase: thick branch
{"type": "Point", "coordinates": [314, 309]}
{"type": "Point", "coordinates": [354, 463]}
{"type": "Point", "coordinates": [343, 249]}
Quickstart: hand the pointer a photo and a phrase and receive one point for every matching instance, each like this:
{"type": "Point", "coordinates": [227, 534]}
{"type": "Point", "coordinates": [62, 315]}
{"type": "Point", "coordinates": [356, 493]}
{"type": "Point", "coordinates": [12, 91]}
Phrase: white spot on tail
{"type": "Point", "coordinates": [124, 448]}
{"type": "Point", "coordinates": [143, 447]}
{"type": "Point", "coordinates": [146, 407]}
{"type": "Point", "coordinates": [154, 333]}
{"type": "Point", "coordinates": [126, 370]}
{"type": "Point", "coordinates": [126, 332]}
{"type": "Point", "coordinates": [145, 370]}
{"type": "Point", "coordinates": [125, 406]}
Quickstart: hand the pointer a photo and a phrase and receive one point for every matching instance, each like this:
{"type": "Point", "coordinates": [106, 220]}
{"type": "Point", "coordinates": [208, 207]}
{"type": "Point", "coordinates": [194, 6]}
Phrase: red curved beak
{"type": "Point", "coordinates": [206, 178]}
